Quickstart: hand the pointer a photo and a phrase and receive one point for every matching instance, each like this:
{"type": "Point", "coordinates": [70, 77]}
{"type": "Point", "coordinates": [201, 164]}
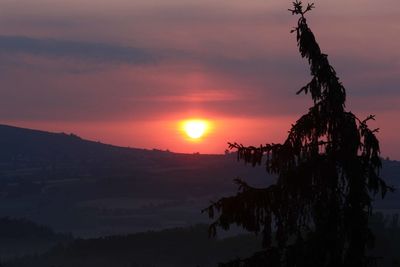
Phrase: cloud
{"type": "Point", "coordinates": [97, 52]}
{"type": "Point", "coordinates": [56, 88]}
{"type": "Point", "coordinates": [141, 60]}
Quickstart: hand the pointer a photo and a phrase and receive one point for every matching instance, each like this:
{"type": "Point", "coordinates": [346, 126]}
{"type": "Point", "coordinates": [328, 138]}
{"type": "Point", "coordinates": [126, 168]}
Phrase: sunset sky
{"type": "Point", "coordinates": [128, 72]}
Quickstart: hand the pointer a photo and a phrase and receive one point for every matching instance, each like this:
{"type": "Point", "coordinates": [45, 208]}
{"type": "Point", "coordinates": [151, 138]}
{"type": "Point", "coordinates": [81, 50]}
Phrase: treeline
{"type": "Point", "coordinates": [21, 228]}
{"type": "Point", "coordinates": [19, 237]}
{"type": "Point", "coordinates": [180, 247]}
{"type": "Point", "coordinates": [386, 229]}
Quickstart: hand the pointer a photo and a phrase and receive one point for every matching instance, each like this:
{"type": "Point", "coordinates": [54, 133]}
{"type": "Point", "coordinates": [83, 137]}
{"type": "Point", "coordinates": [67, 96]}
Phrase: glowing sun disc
{"type": "Point", "coordinates": [195, 128]}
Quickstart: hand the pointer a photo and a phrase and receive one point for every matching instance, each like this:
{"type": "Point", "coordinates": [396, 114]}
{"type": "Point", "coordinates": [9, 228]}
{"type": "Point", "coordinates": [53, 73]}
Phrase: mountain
{"type": "Point", "coordinates": [93, 189]}
{"type": "Point", "coordinates": [20, 143]}
{"type": "Point", "coordinates": [32, 154]}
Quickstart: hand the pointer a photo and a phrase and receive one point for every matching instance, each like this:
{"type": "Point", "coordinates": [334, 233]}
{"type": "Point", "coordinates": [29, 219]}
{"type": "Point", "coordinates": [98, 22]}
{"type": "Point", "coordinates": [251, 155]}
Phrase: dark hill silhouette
{"type": "Point", "coordinates": [20, 143]}
{"type": "Point", "coordinates": [27, 153]}
{"type": "Point", "coordinates": [70, 183]}
{"type": "Point", "coordinates": [91, 189]}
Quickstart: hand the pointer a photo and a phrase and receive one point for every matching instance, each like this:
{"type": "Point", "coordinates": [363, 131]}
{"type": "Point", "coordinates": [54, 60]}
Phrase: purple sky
{"type": "Point", "coordinates": [126, 72]}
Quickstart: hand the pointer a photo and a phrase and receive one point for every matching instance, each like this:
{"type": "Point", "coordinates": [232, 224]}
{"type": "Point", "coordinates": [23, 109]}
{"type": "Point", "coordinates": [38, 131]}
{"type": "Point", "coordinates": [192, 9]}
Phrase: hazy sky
{"type": "Point", "coordinates": [127, 71]}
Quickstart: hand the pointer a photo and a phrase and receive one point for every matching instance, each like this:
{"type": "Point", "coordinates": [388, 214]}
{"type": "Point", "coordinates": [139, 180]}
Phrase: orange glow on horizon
{"type": "Point", "coordinates": [167, 133]}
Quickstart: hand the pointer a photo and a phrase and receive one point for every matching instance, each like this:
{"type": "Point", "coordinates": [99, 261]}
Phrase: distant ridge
{"type": "Point", "coordinates": [89, 188]}
{"type": "Point", "coordinates": [22, 142]}
{"type": "Point", "coordinates": [76, 185]}
{"type": "Point", "coordinates": [28, 153]}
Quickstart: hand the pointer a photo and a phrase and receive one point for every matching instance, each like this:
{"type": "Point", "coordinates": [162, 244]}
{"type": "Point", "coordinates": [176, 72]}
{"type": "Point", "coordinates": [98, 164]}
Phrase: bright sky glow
{"type": "Point", "coordinates": [128, 72]}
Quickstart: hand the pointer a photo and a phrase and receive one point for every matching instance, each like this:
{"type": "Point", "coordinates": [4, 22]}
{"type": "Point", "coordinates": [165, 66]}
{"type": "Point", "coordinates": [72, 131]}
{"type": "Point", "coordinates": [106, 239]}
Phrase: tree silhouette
{"type": "Point", "coordinates": [317, 212]}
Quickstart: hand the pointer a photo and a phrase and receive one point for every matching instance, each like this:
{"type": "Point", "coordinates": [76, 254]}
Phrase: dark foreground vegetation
{"type": "Point", "coordinates": [317, 212]}
{"type": "Point", "coordinates": [20, 237]}
{"type": "Point", "coordinates": [173, 248]}
{"type": "Point", "coordinates": [178, 247]}
{"type": "Point", "coordinates": [92, 189]}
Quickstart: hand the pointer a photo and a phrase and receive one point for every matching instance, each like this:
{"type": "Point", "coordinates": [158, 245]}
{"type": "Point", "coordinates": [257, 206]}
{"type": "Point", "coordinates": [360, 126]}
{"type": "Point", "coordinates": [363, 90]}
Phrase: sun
{"type": "Point", "coordinates": [195, 129]}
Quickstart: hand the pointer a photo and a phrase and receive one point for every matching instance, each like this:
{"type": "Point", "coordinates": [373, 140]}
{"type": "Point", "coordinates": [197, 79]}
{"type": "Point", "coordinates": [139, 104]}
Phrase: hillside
{"type": "Point", "coordinates": [27, 153]}
{"type": "Point", "coordinates": [93, 189]}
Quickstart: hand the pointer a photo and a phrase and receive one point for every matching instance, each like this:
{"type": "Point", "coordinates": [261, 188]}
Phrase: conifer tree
{"type": "Point", "coordinates": [316, 214]}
